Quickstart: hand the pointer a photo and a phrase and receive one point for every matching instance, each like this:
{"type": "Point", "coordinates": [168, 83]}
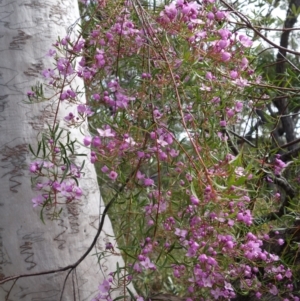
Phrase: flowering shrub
{"type": "Point", "coordinates": [164, 92]}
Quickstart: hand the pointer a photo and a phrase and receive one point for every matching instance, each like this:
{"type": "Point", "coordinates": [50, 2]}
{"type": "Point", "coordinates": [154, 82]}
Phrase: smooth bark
{"type": "Point", "coordinates": [27, 246]}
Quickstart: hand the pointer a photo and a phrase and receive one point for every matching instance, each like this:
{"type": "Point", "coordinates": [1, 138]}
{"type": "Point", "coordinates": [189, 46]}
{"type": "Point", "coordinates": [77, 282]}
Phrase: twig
{"type": "Point", "coordinates": [242, 138]}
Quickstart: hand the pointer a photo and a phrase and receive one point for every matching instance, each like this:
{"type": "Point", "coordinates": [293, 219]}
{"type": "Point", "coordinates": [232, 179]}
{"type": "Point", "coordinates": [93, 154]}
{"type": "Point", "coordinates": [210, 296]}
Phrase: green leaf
{"type": "Point", "coordinates": [31, 150]}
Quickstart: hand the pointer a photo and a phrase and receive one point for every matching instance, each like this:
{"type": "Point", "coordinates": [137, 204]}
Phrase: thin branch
{"type": "Point", "coordinates": [290, 194]}
{"type": "Point", "coordinates": [233, 148]}
{"type": "Point", "coordinates": [249, 25]}
{"type": "Point", "coordinates": [64, 285]}
{"type": "Point", "coordinates": [290, 143]}
{"type": "Point", "coordinates": [7, 296]}
{"type": "Point", "coordinates": [242, 138]}
{"type": "Point", "coordinates": [289, 155]}
{"type": "Point", "coordinates": [267, 28]}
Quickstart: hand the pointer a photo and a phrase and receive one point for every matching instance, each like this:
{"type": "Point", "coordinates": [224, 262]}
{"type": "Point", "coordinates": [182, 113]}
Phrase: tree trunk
{"type": "Point", "coordinates": [27, 246]}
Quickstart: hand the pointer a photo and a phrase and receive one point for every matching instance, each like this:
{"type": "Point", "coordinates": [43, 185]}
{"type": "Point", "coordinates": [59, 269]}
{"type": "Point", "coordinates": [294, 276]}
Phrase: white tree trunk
{"type": "Point", "coordinates": [27, 30]}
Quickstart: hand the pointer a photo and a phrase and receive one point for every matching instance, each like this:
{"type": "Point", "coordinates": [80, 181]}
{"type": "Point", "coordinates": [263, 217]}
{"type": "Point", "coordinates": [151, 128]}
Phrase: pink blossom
{"type": "Point", "coordinates": [244, 63]}
{"type": "Point", "coordinates": [148, 182]}
{"type": "Point", "coordinates": [147, 264]}
{"type": "Point", "coordinates": [209, 76]}
{"type": "Point", "coordinates": [216, 293]}
{"type": "Point", "coordinates": [224, 33]}
{"type": "Point", "coordinates": [273, 290]}
{"type": "Point", "coordinates": [245, 41]}
{"type": "Point", "coordinates": [113, 175]}
{"type": "Point", "coordinates": [87, 140]}
{"type": "Point", "coordinates": [39, 200]}
{"type": "Point", "coordinates": [210, 16]}
{"type": "Point", "coordinates": [258, 295]}
{"type": "Point", "coordinates": [241, 82]}
{"type": "Point", "coordinates": [104, 287]}
{"type": "Point", "coordinates": [96, 97]}
{"type": "Point", "coordinates": [69, 117]}
{"type": "Point", "coordinates": [223, 123]}
{"type": "Point", "coordinates": [233, 74]}
{"type": "Point", "coordinates": [161, 141]}
{"type": "Point", "coordinates": [106, 133]}
{"type": "Point", "coordinates": [93, 157]}
{"type": "Point", "coordinates": [279, 165]}
{"type": "Point", "coordinates": [79, 45]}
{"type": "Point", "coordinates": [220, 15]}
{"type": "Point", "coordinates": [140, 154]}
{"type": "Point", "coordinates": [211, 261]}
{"type": "Point", "coordinates": [137, 268]}
{"type": "Point", "coordinates": [105, 169]}
{"type": "Point", "coordinates": [194, 200]}
{"type": "Point", "coordinates": [230, 113]}
{"type": "Point", "coordinates": [34, 166]}
{"type": "Point", "coordinates": [96, 141]}
{"type": "Point", "coordinates": [48, 73]}
{"type": "Point", "coordinates": [81, 109]}
{"type": "Point", "coordinates": [288, 274]}
{"type": "Point", "coordinates": [238, 106]}
{"type": "Point", "coordinates": [64, 67]}
{"type": "Point", "coordinates": [216, 100]}
{"type": "Point", "coordinates": [100, 60]}
{"type": "Point", "coordinates": [225, 56]}
{"type": "Point", "coordinates": [181, 233]}
{"type": "Point", "coordinates": [51, 52]}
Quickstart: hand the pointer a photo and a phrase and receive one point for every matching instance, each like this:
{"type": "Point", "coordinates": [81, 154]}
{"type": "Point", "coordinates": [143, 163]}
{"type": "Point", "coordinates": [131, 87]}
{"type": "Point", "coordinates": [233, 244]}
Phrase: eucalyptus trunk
{"type": "Point", "coordinates": [27, 246]}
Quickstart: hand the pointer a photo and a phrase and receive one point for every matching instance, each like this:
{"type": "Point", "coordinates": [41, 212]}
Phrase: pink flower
{"type": "Point", "coordinates": [148, 182]}
{"type": "Point", "coordinates": [244, 63]}
{"type": "Point", "coordinates": [223, 123]}
{"type": "Point", "coordinates": [209, 76]}
{"type": "Point", "coordinates": [238, 106]}
{"type": "Point", "coordinates": [258, 295]}
{"type": "Point", "coordinates": [210, 16]}
{"type": "Point", "coordinates": [105, 169]}
{"type": "Point", "coordinates": [105, 133]}
{"type": "Point", "coordinates": [288, 274]}
{"type": "Point", "coordinates": [93, 157]}
{"type": "Point", "coordinates": [96, 97]}
{"type": "Point", "coordinates": [245, 41]}
{"type": "Point", "coordinates": [224, 34]}
{"type": "Point", "coordinates": [181, 233]}
{"type": "Point", "coordinates": [273, 290]}
{"type": "Point", "coordinates": [34, 166]}
{"type": "Point", "coordinates": [113, 175]}
{"type": "Point", "coordinates": [64, 67]}
{"type": "Point", "coordinates": [87, 140]}
{"type": "Point", "coordinates": [96, 141]}
{"type": "Point", "coordinates": [233, 74]}
{"type": "Point", "coordinates": [225, 56]}
{"type": "Point", "coordinates": [137, 268]}
{"type": "Point", "coordinates": [220, 15]}
{"type": "Point", "coordinates": [147, 264]}
{"type": "Point", "coordinates": [79, 45]}
{"type": "Point", "coordinates": [48, 73]}
{"type": "Point", "coordinates": [194, 200]}
{"type": "Point", "coordinates": [39, 200]}
{"type": "Point", "coordinates": [104, 287]}
{"type": "Point", "coordinates": [230, 113]}
{"type": "Point", "coordinates": [81, 109]}
{"type": "Point", "coordinates": [51, 53]}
